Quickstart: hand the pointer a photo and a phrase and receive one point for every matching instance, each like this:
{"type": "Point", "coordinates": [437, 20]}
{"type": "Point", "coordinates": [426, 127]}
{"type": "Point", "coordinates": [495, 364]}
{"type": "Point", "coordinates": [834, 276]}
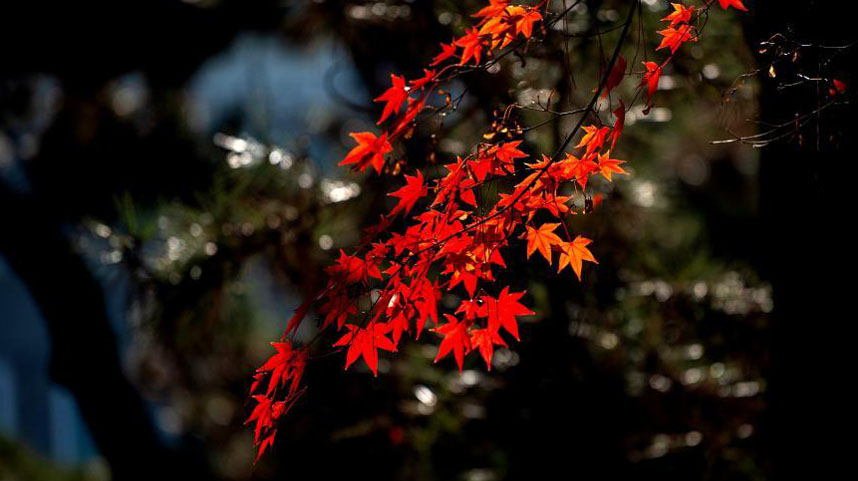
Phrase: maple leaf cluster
{"type": "Point", "coordinates": [499, 24]}
{"type": "Point", "coordinates": [681, 28]}
{"type": "Point", "coordinates": [279, 378]}
{"type": "Point", "coordinates": [390, 286]}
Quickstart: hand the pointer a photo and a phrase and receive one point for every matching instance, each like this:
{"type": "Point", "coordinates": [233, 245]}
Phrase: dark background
{"type": "Point", "coordinates": [169, 194]}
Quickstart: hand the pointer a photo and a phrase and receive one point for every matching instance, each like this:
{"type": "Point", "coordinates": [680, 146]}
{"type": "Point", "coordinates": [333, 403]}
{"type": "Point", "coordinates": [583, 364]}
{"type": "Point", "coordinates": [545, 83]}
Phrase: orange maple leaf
{"type": "Point", "coordinates": [472, 46]}
{"type": "Point", "coordinates": [542, 239]}
{"type": "Point", "coordinates": [524, 22]}
{"type": "Point", "coordinates": [574, 253]}
{"type": "Point", "coordinates": [680, 14]}
{"type": "Point", "coordinates": [674, 37]}
{"type": "Point", "coordinates": [608, 166]}
{"type": "Point", "coordinates": [594, 138]}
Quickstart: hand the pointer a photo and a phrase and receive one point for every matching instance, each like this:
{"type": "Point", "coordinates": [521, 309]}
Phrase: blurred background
{"type": "Point", "coordinates": [169, 194]}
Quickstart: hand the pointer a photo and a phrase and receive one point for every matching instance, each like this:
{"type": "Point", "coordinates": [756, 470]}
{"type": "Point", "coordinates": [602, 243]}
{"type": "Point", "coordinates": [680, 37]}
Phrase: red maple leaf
{"type": "Point", "coordinates": [680, 14]}
{"type": "Point", "coordinates": [650, 79]}
{"type": "Point", "coordinates": [615, 77]}
{"type": "Point", "coordinates": [674, 37]}
{"type": "Point", "coordinates": [263, 414]}
{"type": "Point", "coordinates": [594, 138]}
{"type": "Point", "coordinates": [426, 302]}
{"type": "Point", "coordinates": [456, 340]}
{"type": "Point", "coordinates": [620, 113]}
{"type": "Point", "coordinates": [725, 4]}
{"type": "Point", "coordinates": [394, 96]}
{"type": "Point", "coordinates": [286, 366]}
{"type": "Point", "coordinates": [447, 51]}
{"type": "Point", "coordinates": [410, 194]}
{"type": "Point", "coordinates": [502, 312]}
{"type": "Point", "coordinates": [369, 151]}
{"type": "Point", "coordinates": [337, 308]}
{"type": "Point", "coordinates": [472, 46]}
{"type": "Point", "coordinates": [485, 340]}
{"type": "Point", "coordinates": [427, 78]}
{"type": "Point", "coordinates": [365, 342]}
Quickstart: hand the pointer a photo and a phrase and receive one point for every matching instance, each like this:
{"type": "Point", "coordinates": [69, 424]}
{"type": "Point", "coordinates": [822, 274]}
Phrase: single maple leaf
{"type": "Point", "coordinates": [447, 51]}
{"type": "Point", "coordinates": [502, 312]}
{"type": "Point", "coordinates": [725, 4]}
{"type": "Point", "coordinates": [674, 37]}
{"type": "Point", "coordinates": [365, 342]}
{"type": "Point", "coordinates": [456, 340]}
{"type": "Point", "coordinates": [485, 340]}
{"type": "Point", "coordinates": [409, 195]}
{"type": "Point", "coordinates": [507, 153]}
{"type": "Point", "coordinates": [472, 46]}
{"type": "Point", "coordinates": [472, 308]}
{"type": "Point", "coordinates": [369, 151]}
{"type": "Point", "coordinates": [574, 253]}
{"type": "Point", "coordinates": [394, 96]}
{"type": "Point", "coordinates": [542, 239]}
{"type": "Point", "coordinates": [594, 138]}
{"type": "Point", "coordinates": [608, 166]}
{"type": "Point", "coordinates": [427, 78]}
{"type": "Point", "coordinates": [680, 14]}
{"type": "Point", "coordinates": [524, 22]}
{"type": "Point", "coordinates": [650, 79]}
{"type": "Point", "coordinates": [615, 77]}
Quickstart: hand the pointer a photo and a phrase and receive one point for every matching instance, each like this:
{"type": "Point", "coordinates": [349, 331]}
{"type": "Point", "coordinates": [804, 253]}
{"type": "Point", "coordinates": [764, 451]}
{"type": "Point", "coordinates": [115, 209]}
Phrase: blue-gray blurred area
{"type": "Point", "coordinates": [169, 193]}
{"type": "Point", "coordinates": [277, 91]}
{"type": "Point", "coordinates": [34, 409]}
